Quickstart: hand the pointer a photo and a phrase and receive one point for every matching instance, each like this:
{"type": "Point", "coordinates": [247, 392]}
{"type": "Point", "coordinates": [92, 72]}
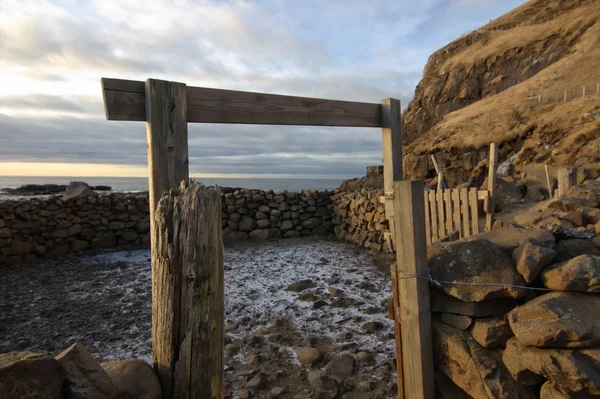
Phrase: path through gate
{"type": "Point", "coordinates": [167, 108]}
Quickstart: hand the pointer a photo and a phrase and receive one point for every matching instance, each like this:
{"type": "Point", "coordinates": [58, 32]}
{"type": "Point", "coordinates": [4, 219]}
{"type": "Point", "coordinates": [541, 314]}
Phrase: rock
{"type": "Point", "coordinates": [108, 240]}
{"type": "Point", "coordinates": [509, 239]}
{"type": "Point", "coordinates": [536, 192]}
{"type": "Point", "coordinates": [133, 378]}
{"type": "Point", "coordinates": [572, 248]}
{"type": "Point", "coordinates": [476, 370]}
{"type": "Point", "coordinates": [580, 274]}
{"type": "Point", "coordinates": [341, 366]}
{"type": "Point", "coordinates": [590, 190]}
{"type": "Point", "coordinates": [372, 326]}
{"type": "Point", "coordinates": [312, 223]}
{"type": "Point", "coordinates": [308, 355]}
{"type": "Point", "coordinates": [28, 375]}
{"type": "Point", "coordinates": [292, 234]}
{"type": "Point", "coordinates": [231, 327]}
{"type": "Point", "coordinates": [263, 223]}
{"type": "Point", "coordinates": [461, 322]}
{"type": "Point", "coordinates": [563, 229]}
{"type": "Point", "coordinates": [574, 370]}
{"type": "Point", "coordinates": [231, 348]}
{"type": "Point", "coordinates": [474, 262]}
{"type": "Point", "coordinates": [550, 391]}
{"type": "Point", "coordinates": [572, 204]}
{"type": "Point", "coordinates": [442, 302]}
{"type": "Point", "coordinates": [363, 356]}
{"type": "Point", "coordinates": [256, 382]}
{"type": "Point", "coordinates": [286, 226]}
{"type": "Point", "coordinates": [230, 236]}
{"type": "Point", "coordinates": [491, 332]}
{"type": "Point", "coordinates": [508, 192]}
{"type": "Point", "coordinates": [77, 189]}
{"type": "Point", "coordinates": [243, 394]}
{"type": "Point", "coordinates": [558, 320]}
{"type": "Point", "coordinates": [85, 377]}
{"type": "Point", "coordinates": [300, 286]}
{"type": "Point", "coordinates": [446, 389]}
{"type": "Point", "coordinates": [259, 235]}
{"type": "Point", "coordinates": [324, 229]}
{"type": "Point", "coordinates": [531, 217]}
{"type": "Point", "coordinates": [247, 224]}
{"type": "Point", "coordinates": [276, 391]}
{"type": "Point", "coordinates": [531, 258]}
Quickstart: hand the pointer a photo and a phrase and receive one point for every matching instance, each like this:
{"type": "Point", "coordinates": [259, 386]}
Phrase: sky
{"type": "Point", "coordinates": [53, 54]}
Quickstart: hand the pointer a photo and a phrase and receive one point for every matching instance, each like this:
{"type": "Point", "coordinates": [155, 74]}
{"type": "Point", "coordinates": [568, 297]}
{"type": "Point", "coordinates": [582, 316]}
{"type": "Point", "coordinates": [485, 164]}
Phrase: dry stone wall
{"type": "Point", "coordinates": [359, 217]}
{"type": "Point", "coordinates": [36, 229]}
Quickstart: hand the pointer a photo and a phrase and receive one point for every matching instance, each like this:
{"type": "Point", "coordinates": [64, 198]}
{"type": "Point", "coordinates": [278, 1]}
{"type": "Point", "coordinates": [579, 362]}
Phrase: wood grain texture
{"type": "Point", "coordinates": [124, 100]}
{"type": "Point", "coordinates": [439, 197]}
{"type": "Point", "coordinates": [448, 204]}
{"type": "Point", "coordinates": [188, 293]}
{"type": "Point", "coordinates": [567, 178]}
{"type": "Point", "coordinates": [464, 199]}
{"type": "Point", "coordinates": [550, 193]}
{"type": "Point", "coordinates": [167, 138]}
{"type": "Point", "coordinates": [391, 141]}
{"type": "Point", "coordinates": [397, 331]}
{"type": "Point", "coordinates": [493, 166]}
{"type": "Point", "coordinates": [434, 217]}
{"type": "Point", "coordinates": [456, 211]}
{"type": "Point", "coordinates": [427, 217]}
{"type": "Point", "coordinates": [415, 312]}
{"type": "Point", "coordinates": [474, 210]}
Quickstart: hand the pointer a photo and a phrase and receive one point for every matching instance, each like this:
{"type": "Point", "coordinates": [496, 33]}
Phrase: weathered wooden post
{"type": "Point", "coordinates": [493, 165]}
{"type": "Point", "coordinates": [187, 285]}
{"type": "Point", "coordinates": [414, 310]}
{"type": "Point", "coordinates": [567, 178]}
{"type": "Point", "coordinates": [441, 179]}
{"type": "Point", "coordinates": [392, 170]}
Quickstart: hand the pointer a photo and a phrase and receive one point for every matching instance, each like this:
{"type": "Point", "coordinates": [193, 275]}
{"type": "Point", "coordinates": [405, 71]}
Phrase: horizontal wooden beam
{"type": "Point", "coordinates": [125, 100]}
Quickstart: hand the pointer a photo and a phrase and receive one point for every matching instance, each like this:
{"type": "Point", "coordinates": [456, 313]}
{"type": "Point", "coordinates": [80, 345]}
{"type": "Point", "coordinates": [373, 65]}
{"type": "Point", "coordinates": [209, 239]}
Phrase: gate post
{"type": "Point", "coordinates": [391, 140]}
{"type": "Point", "coordinates": [493, 166]}
{"type": "Point", "coordinates": [414, 310]}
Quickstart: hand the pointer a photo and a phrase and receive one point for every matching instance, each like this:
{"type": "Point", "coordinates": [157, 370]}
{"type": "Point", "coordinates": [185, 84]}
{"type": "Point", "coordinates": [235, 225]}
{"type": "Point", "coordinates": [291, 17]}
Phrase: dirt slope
{"type": "Point", "coordinates": [507, 82]}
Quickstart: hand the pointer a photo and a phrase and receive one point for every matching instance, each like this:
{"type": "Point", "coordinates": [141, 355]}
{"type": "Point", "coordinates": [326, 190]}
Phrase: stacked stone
{"type": "Point", "coordinates": [262, 215]}
{"type": "Point", "coordinates": [495, 338]}
{"type": "Point", "coordinates": [458, 166]}
{"type": "Point", "coordinates": [359, 217]}
{"type": "Point", "coordinates": [36, 229]}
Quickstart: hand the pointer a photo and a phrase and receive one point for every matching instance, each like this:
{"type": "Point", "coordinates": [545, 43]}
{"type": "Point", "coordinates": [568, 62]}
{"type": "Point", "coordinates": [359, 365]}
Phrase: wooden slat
{"type": "Point", "coordinates": [415, 312]}
{"type": "Point", "coordinates": [448, 202]}
{"type": "Point", "coordinates": [456, 203]}
{"type": "Point", "coordinates": [493, 165]}
{"type": "Point", "coordinates": [474, 210]}
{"type": "Point", "coordinates": [427, 218]}
{"type": "Point", "coordinates": [439, 196]}
{"type": "Point", "coordinates": [397, 331]}
{"type": "Point", "coordinates": [464, 198]}
{"type": "Point", "coordinates": [434, 218]}
{"type": "Point", "coordinates": [124, 100]}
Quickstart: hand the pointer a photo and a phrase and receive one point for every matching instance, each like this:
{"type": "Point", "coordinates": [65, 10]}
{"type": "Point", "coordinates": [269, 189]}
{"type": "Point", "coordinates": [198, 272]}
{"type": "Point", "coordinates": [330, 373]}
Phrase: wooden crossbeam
{"type": "Point", "coordinates": [125, 100]}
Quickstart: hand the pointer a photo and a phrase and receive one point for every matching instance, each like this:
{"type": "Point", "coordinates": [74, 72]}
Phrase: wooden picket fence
{"type": "Point", "coordinates": [453, 213]}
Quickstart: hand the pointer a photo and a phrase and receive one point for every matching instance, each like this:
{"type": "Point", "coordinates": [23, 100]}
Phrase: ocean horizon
{"type": "Point", "coordinates": [140, 184]}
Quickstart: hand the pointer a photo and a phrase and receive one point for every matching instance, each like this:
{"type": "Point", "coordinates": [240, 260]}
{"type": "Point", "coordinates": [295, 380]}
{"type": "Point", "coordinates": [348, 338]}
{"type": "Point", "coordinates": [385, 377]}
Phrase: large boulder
{"type": "Point", "coordinates": [589, 190]}
{"type": "Point", "coordinates": [509, 239]}
{"type": "Point", "coordinates": [474, 264]}
{"type": "Point", "coordinates": [530, 258]}
{"type": "Point", "coordinates": [85, 376]}
{"type": "Point", "coordinates": [558, 320]}
{"type": "Point", "coordinates": [476, 370]}
{"type": "Point", "coordinates": [574, 370]}
{"type": "Point", "coordinates": [508, 192]}
{"type": "Point", "coordinates": [77, 189]}
{"type": "Point", "coordinates": [133, 378]}
{"type": "Point", "coordinates": [28, 375]}
{"type": "Point", "coordinates": [444, 303]}
{"type": "Point", "coordinates": [572, 248]}
{"type": "Point", "coordinates": [580, 274]}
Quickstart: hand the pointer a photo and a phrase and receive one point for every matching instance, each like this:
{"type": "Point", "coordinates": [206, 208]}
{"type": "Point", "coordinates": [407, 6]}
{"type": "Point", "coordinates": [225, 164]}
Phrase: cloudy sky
{"type": "Point", "coordinates": [53, 54]}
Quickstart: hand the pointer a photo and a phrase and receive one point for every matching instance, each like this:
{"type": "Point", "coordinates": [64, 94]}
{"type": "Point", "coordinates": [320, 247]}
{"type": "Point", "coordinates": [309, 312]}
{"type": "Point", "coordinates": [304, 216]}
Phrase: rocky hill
{"type": "Point", "coordinates": [507, 82]}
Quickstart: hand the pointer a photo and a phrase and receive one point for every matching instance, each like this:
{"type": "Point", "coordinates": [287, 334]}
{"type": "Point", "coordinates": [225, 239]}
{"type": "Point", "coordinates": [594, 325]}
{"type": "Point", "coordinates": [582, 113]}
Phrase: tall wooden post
{"type": "Point", "coordinates": [567, 178]}
{"type": "Point", "coordinates": [188, 293]}
{"type": "Point", "coordinates": [167, 138]}
{"type": "Point", "coordinates": [489, 219]}
{"type": "Point", "coordinates": [415, 311]}
{"type": "Point", "coordinates": [391, 140]}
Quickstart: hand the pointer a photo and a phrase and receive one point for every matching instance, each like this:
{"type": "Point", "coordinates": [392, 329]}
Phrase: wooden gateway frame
{"type": "Point", "coordinates": [167, 107]}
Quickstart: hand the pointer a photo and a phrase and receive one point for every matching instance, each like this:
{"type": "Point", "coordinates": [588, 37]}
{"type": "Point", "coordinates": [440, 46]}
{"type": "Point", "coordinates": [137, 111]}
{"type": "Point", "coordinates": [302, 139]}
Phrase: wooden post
{"type": "Point", "coordinates": [548, 181]}
{"type": "Point", "coordinates": [167, 138]}
{"type": "Point", "coordinates": [583, 94]}
{"type": "Point", "coordinates": [567, 178]}
{"type": "Point", "coordinates": [391, 139]}
{"type": "Point", "coordinates": [415, 312]}
{"type": "Point", "coordinates": [489, 219]}
{"type": "Point", "coordinates": [188, 293]}
{"type": "Point", "coordinates": [565, 97]}
{"type": "Point", "coordinates": [441, 179]}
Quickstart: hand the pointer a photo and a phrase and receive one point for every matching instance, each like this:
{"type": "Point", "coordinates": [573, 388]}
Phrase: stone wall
{"type": "Point", "coordinates": [359, 217]}
{"type": "Point", "coordinates": [36, 229]}
{"type": "Point", "coordinates": [262, 215]}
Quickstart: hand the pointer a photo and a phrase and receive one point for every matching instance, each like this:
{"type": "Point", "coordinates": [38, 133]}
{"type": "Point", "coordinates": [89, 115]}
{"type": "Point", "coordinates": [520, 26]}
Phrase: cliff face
{"type": "Point", "coordinates": [507, 82]}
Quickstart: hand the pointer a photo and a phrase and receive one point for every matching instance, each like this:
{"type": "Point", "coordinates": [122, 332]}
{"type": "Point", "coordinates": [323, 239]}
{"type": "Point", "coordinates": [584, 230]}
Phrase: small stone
{"type": "Point", "coordinates": [335, 291]}
{"type": "Point", "coordinates": [319, 304]}
{"type": "Point", "coordinates": [243, 394]}
{"type": "Point", "coordinates": [276, 391]}
{"type": "Point", "coordinates": [372, 326]}
{"type": "Point", "coordinates": [491, 332]}
{"type": "Point", "coordinates": [308, 355]}
{"type": "Point", "coordinates": [456, 320]}
{"type": "Point", "coordinates": [341, 366]}
{"type": "Point", "coordinates": [300, 286]}
{"type": "Point", "coordinates": [363, 356]}
{"type": "Point", "coordinates": [256, 382]}
{"type": "Point", "coordinates": [230, 327]}
{"type": "Point", "coordinates": [231, 348]}
{"type": "Point", "coordinates": [531, 259]}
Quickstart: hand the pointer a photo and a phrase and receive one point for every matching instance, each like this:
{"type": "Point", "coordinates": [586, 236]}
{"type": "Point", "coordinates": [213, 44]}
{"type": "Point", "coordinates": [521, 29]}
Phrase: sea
{"type": "Point", "coordinates": [140, 184]}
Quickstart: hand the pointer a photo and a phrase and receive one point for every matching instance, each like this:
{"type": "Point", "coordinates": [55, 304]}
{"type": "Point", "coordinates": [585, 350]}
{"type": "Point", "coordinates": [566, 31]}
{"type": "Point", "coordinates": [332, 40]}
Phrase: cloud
{"type": "Point", "coordinates": [53, 55]}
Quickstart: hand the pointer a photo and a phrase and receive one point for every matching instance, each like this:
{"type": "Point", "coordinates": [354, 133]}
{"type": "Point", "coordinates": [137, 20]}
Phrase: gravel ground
{"type": "Point", "coordinates": [104, 302]}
